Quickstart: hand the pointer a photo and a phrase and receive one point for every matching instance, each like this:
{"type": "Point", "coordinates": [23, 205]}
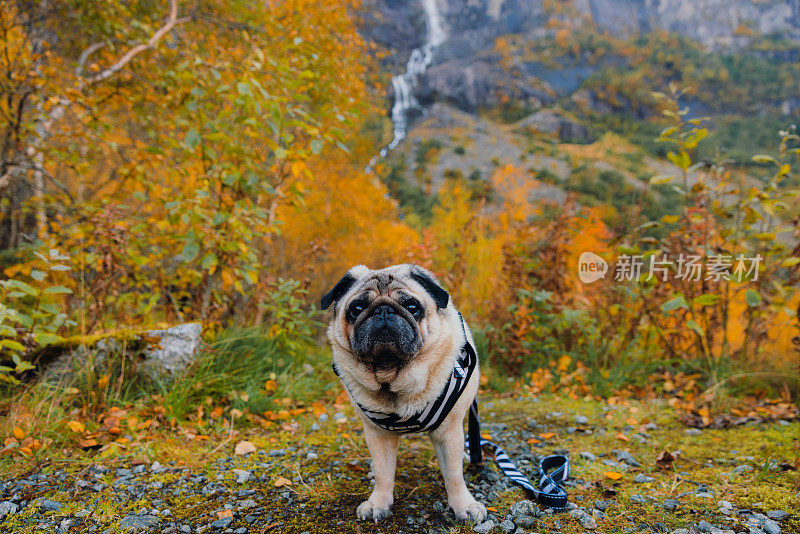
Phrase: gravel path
{"type": "Point", "coordinates": [312, 478]}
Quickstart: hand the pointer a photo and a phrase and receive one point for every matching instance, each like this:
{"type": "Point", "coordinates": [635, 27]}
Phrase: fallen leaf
{"type": "Point", "coordinates": [665, 460]}
{"type": "Point", "coordinates": [613, 475]}
{"type": "Point", "coordinates": [18, 433]}
{"type": "Point", "coordinates": [270, 386]}
{"type": "Point", "coordinates": [88, 443]}
{"type": "Point", "coordinates": [281, 481]}
{"type": "Point", "coordinates": [244, 447]}
{"type": "Point", "coordinates": [487, 437]}
{"type": "Point", "coordinates": [547, 435]}
{"type": "Point", "coordinates": [76, 426]}
{"type": "Point", "coordinates": [622, 437]}
{"type": "Point", "coordinates": [222, 514]}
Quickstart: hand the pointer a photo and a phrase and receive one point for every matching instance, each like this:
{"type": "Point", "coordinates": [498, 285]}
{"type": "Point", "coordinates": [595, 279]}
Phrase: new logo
{"type": "Point", "coordinates": [591, 267]}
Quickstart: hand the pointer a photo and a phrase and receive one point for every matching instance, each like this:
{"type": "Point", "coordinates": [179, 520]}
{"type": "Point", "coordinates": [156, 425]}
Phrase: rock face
{"type": "Point", "coordinates": [161, 353]}
{"type": "Point", "coordinates": [713, 23]}
{"type": "Point", "coordinates": [467, 71]}
{"type": "Point", "coordinates": [553, 123]}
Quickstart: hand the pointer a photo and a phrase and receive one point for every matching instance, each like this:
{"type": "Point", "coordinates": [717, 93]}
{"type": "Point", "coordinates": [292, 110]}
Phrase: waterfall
{"type": "Point", "coordinates": [403, 84]}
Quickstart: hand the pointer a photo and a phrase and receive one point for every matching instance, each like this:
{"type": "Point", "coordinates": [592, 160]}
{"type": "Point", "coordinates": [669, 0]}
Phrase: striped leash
{"type": "Point", "coordinates": [554, 468]}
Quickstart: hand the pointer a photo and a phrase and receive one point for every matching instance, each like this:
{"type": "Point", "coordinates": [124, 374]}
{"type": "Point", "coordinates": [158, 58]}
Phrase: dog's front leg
{"type": "Point", "coordinates": [383, 449]}
{"type": "Point", "coordinates": [449, 444]}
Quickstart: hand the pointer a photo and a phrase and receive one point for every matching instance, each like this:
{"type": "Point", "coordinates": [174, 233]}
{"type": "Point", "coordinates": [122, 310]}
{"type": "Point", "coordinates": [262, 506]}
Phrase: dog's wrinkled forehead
{"type": "Point", "coordinates": [381, 284]}
{"type": "Point", "coordinates": [390, 282]}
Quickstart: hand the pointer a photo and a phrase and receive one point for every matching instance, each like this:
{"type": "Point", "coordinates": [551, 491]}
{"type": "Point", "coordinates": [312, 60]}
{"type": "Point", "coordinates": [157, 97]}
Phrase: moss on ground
{"type": "Point", "coordinates": [326, 490]}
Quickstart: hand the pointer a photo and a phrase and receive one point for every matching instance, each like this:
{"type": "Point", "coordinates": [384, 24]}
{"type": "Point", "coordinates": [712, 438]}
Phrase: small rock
{"type": "Point", "coordinates": [587, 522]}
{"type": "Point", "coordinates": [185, 529]}
{"type": "Point", "coordinates": [704, 526]}
{"type": "Point", "coordinates": [639, 499]}
{"type": "Point", "coordinates": [771, 527]}
{"type": "Point", "coordinates": [50, 506]}
{"type": "Point", "coordinates": [138, 522]}
{"type": "Point", "coordinates": [725, 504]}
{"type": "Point", "coordinates": [314, 427]}
{"type": "Point", "coordinates": [671, 504]}
{"type": "Point", "coordinates": [643, 479]}
{"type": "Point", "coordinates": [312, 456]}
{"type": "Point", "coordinates": [277, 452]}
{"type": "Point", "coordinates": [777, 515]}
{"type": "Point", "coordinates": [323, 417]}
{"type": "Point", "coordinates": [8, 508]}
{"type": "Point", "coordinates": [581, 420]}
{"type": "Point", "coordinates": [156, 468]}
{"type": "Point", "coordinates": [507, 526]}
{"type": "Point", "coordinates": [651, 426]}
{"type": "Point", "coordinates": [588, 456]}
{"type": "Point", "coordinates": [524, 521]}
{"type": "Point", "coordinates": [525, 507]}
{"type": "Point", "coordinates": [485, 527]}
{"type": "Point", "coordinates": [244, 447]}
{"type": "Point", "coordinates": [625, 456]}
{"type": "Point", "coordinates": [692, 431]}
{"type": "Point", "coordinates": [742, 469]}
{"type": "Point", "coordinates": [242, 475]}
{"type": "Point", "coordinates": [681, 531]}
{"type": "Point", "coordinates": [222, 523]}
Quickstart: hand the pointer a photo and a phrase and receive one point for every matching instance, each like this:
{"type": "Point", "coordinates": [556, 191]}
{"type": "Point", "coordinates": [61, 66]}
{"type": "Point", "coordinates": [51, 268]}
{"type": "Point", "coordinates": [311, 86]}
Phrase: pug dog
{"type": "Point", "coordinates": [395, 336]}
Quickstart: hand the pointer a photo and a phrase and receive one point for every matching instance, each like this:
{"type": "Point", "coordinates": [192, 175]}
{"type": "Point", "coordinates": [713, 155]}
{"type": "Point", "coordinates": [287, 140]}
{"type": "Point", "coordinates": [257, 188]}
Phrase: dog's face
{"type": "Point", "coordinates": [384, 318]}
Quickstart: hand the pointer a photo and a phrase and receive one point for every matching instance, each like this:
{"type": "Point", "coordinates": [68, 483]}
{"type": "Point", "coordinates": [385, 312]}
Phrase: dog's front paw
{"type": "Point", "coordinates": [471, 510]}
{"type": "Point", "coordinates": [366, 510]}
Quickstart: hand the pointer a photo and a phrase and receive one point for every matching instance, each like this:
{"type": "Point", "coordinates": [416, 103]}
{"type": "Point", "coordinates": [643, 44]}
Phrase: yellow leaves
{"type": "Point", "coordinates": [18, 433]}
{"type": "Point", "coordinates": [613, 475]}
{"type": "Point", "coordinates": [487, 437]}
{"type": "Point", "coordinates": [298, 167]}
{"type": "Point", "coordinates": [102, 382]}
{"type": "Point", "coordinates": [563, 363]}
{"type": "Point", "coordinates": [547, 435]}
{"type": "Point", "coordinates": [622, 437]}
{"type": "Point", "coordinates": [281, 482]}
{"type": "Point", "coordinates": [228, 279]}
{"type": "Point", "coordinates": [270, 386]}
{"type": "Point", "coordinates": [76, 427]}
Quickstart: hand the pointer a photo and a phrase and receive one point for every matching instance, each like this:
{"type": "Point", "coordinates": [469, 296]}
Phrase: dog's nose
{"type": "Point", "coordinates": [384, 311]}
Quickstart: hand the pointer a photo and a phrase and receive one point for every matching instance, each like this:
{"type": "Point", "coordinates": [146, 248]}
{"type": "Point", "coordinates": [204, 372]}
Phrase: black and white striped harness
{"type": "Point", "coordinates": [554, 469]}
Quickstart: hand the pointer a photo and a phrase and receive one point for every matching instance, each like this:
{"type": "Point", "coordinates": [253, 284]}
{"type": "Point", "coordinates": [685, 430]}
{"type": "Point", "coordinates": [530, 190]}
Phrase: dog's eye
{"type": "Point", "coordinates": [355, 310]}
{"type": "Point", "coordinates": [413, 308]}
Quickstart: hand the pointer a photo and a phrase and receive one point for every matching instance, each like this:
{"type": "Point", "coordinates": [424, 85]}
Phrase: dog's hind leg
{"type": "Point", "coordinates": [383, 449]}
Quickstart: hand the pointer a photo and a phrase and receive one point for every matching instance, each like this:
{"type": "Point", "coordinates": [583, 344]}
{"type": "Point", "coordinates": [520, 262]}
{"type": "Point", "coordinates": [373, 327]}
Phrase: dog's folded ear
{"type": "Point", "coordinates": [437, 292]}
{"type": "Point", "coordinates": [338, 291]}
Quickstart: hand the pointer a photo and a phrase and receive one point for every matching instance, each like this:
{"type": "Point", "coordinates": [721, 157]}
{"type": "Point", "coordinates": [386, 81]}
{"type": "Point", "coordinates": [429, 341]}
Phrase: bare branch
{"type": "Point", "coordinates": [85, 56]}
{"type": "Point", "coordinates": [172, 21]}
{"type": "Point", "coordinates": [43, 126]}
